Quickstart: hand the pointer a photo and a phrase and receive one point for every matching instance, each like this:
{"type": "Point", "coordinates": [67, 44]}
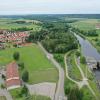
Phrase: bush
{"type": "Point", "coordinates": [25, 76]}
{"type": "Point", "coordinates": [24, 91]}
{"type": "Point", "coordinates": [2, 86]}
{"type": "Point", "coordinates": [78, 53]}
{"type": "Point", "coordinates": [16, 56]}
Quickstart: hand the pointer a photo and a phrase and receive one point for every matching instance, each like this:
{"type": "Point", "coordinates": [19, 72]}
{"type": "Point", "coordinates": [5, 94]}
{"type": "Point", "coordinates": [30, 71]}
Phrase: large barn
{"type": "Point", "coordinates": [12, 76]}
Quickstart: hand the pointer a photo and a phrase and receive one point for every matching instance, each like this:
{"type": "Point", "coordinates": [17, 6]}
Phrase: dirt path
{"type": "Point", "coordinates": [84, 80]}
{"type": "Point", "coordinates": [59, 95]}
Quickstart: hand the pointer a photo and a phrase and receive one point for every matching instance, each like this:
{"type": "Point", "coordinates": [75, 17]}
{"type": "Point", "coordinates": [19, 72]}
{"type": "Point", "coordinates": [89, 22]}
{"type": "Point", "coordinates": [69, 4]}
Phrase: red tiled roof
{"type": "Point", "coordinates": [13, 82]}
{"type": "Point", "coordinates": [12, 74]}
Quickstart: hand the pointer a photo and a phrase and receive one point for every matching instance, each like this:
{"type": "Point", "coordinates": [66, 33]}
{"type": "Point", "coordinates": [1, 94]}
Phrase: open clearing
{"type": "Point", "coordinates": [39, 67]}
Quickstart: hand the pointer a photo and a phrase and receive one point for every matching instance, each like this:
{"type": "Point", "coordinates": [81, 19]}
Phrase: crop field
{"type": "Point", "coordinates": [39, 67]}
{"type": "Point", "coordinates": [11, 23]}
{"type": "Point", "coordinates": [86, 24]}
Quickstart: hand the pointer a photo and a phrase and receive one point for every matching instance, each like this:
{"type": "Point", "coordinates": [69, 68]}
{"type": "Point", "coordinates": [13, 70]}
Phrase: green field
{"type": "Point", "coordinates": [39, 67]}
{"type": "Point", "coordinates": [9, 24]}
{"type": "Point", "coordinates": [86, 24]}
{"type": "Point", "coordinates": [16, 96]}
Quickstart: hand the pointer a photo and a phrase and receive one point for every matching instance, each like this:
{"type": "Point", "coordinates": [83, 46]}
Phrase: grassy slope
{"type": "Point", "coordinates": [35, 62]}
{"type": "Point", "coordinates": [72, 67]}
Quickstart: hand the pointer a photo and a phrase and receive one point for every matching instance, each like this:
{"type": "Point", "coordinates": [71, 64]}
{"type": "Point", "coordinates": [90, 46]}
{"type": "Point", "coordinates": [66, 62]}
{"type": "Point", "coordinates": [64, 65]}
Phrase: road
{"type": "Point", "coordinates": [59, 95]}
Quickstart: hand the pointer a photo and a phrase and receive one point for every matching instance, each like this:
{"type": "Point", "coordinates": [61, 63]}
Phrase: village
{"type": "Point", "coordinates": [14, 38]}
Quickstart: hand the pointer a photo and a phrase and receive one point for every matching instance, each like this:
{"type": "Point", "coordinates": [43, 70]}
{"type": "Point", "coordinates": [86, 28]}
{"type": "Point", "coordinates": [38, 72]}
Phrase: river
{"type": "Point", "coordinates": [89, 51]}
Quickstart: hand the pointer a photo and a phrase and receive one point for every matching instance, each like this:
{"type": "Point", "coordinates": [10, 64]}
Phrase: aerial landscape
{"type": "Point", "coordinates": [48, 55]}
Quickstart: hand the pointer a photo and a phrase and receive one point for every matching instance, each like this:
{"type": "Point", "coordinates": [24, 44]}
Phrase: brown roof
{"type": "Point", "coordinates": [12, 74]}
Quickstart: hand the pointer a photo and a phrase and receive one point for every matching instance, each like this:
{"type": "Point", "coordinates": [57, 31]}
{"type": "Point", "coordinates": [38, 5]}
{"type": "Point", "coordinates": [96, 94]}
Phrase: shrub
{"type": "Point", "coordinates": [16, 56]}
{"type": "Point", "coordinates": [25, 76]}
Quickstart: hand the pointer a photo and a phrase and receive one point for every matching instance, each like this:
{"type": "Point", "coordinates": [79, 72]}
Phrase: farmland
{"type": "Point", "coordinates": [35, 61]}
{"type": "Point", "coordinates": [88, 25]}
{"type": "Point", "coordinates": [11, 23]}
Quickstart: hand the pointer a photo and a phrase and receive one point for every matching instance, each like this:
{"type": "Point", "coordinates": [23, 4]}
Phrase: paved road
{"type": "Point", "coordinates": [59, 95]}
{"type": "Point", "coordinates": [4, 92]}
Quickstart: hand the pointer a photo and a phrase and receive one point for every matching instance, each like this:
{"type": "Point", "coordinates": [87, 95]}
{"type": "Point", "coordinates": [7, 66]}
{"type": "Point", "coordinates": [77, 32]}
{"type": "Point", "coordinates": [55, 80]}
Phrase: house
{"type": "Point", "coordinates": [12, 76]}
{"type": "Point", "coordinates": [13, 37]}
{"type": "Point", "coordinates": [98, 26]}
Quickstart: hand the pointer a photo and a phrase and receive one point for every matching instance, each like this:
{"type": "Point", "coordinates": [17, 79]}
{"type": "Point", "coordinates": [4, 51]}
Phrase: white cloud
{"type": "Point", "coordinates": [49, 6]}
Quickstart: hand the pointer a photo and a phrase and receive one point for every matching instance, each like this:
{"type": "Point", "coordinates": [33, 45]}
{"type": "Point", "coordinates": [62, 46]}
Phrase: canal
{"type": "Point", "coordinates": [89, 51]}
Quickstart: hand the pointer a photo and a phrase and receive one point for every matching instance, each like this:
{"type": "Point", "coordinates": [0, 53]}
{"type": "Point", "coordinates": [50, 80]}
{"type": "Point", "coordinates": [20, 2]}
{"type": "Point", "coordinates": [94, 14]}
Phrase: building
{"type": "Point", "coordinates": [98, 26]}
{"type": "Point", "coordinates": [13, 37]}
{"type": "Point", "coordinates": [12, 76]}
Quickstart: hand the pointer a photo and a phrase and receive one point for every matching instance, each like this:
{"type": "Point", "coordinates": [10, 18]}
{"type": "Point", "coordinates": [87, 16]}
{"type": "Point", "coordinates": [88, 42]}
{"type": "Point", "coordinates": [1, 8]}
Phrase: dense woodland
{"type": "Point", "coordinates": [55, 37]}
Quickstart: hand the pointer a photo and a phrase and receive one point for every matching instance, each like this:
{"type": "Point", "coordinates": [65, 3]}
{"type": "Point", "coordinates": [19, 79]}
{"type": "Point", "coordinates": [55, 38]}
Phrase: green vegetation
{"type": "Point", "coordinates": [2, 98]}
{"type": "Point", "coordinates": [60, 58]}
{"type": "Point", "coordinates": [25, 76]}
{"type": "Point", "coordinates": [18, 94]}
{"type": "Point", "coordinates": [87, 95]}
{"type": "Point", "coordinates": [87, 28]}
{"type": "Point", "coordinates": [35, 62]}
{"type": "Point", "coordinates": [16, 56]}
{"type": "Point", "coordinates": [73, 70]}
{"type": "Point", "coordinates": [75, 94]}
{"type": "Point", "coordinates": [12, 24]}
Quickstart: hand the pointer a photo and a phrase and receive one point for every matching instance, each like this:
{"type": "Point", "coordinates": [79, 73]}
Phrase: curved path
{"type": "Point", "coordinates": [84, 80]}
{"type": "Point", "coordinates": [59, 95]}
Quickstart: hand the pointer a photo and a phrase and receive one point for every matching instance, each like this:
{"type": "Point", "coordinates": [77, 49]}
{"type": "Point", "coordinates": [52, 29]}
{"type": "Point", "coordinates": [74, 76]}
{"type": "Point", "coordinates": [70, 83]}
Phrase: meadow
{"type": "Point", "coordinates": [10, 23]}
{"type": "Point", "coordinates": [39, 67]}
{"type": "Point", "coordinates": [86, 24]}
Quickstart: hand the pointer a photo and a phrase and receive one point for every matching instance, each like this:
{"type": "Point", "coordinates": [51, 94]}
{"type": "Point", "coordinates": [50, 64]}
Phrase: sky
{"type": "Point", "coordinates": [14, 7]}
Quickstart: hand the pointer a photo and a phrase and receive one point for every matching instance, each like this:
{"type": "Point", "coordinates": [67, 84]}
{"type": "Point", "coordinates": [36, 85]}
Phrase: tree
{"type": "Point", "coordinates": [25, 76]}
{"type": "Point", "coordinates": [16, 56]}
{"type": "Point", "coordinates": [78, 53]}
{"type": "Point", "coordinates": [75, 94]}
{"type": "Point", "coordinates": [24, 91]}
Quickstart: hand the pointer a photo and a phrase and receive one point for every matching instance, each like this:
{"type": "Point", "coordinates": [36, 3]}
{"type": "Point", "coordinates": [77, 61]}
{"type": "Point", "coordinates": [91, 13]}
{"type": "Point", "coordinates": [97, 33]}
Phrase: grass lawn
{"type": "Point", "coordinates": [39, 67]}
{"type": "Point", "coordinates": [2, 98]}
{"type": "Point", "coordinates": [73, 70]}
{"type": "Point", "coordinates": [16, 96]}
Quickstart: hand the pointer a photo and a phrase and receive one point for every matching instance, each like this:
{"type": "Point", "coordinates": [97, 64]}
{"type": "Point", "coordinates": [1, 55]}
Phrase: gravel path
{"type": "Point", "coordinates": [4, 92]}
{"type": "Point", "coordinates": [45, 89]}
{"type": "Point", "coordinates": [59, 95]}
{"type": "Point", "coordinates": [84, 80]}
